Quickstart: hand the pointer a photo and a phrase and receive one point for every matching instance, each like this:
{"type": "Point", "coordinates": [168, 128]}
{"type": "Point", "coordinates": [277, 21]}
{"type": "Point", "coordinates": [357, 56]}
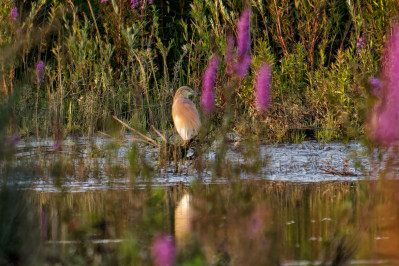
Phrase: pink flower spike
{"type": "Point", "coordinates": [14, 14]}
{"type": "Point", "coordinates": [262, 87]}
{"type": "Point", "coordinates": [376, 86]}
{"type": "Point", "coordinates": [163, 250]}
{"type": "Point", "coordinates": [241, 67]}
{"type": "Point", "coordinates": [135, 3]}
{"type": "Point", "coordinates": [103, 1]}
{"type": "Point", "coordinates": [244, 34]}
{"type": "Point", "coordinates": [40, 71]}
{"type": "Point", "coordinates": [208, 83]}
{"type": "Point", "coordinates": [384, 118]}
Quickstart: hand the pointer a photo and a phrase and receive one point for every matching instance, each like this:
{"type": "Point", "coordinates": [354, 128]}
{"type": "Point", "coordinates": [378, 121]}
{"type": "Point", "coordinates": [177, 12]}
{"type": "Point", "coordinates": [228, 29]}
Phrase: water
{"type": "Point", "coordinates": [261, 222]}
{"type": "Point", "coordinates": [292, 212]}
{"type": "Point", "coordinates": [305, 162]}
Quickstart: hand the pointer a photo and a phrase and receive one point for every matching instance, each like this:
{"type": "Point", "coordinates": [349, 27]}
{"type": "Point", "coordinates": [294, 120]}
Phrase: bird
{"type": "Point", "coordinates": [185, 114]}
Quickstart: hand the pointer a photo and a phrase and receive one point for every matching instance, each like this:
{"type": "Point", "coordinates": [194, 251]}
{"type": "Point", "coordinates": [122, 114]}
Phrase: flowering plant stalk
{"type": "Point", "coordinates": [384, 117]}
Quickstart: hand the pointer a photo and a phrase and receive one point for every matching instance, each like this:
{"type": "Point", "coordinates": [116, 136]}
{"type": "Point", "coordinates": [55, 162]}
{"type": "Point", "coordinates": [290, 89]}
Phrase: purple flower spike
{"type": "Point", "coordinates": [163, 250]}
{"type": "Point", "coordinates": [208, 82]}
{"type": "Point", "coordinates": [135, 3]}
{"type": "Point", "coordinates": [243, 62]}
{"type": "Point", "coordinates": [262, 87]}
{"type": "Point", "coordinates": [376, 86]}
{"type": "Point", "coordinates": [242, 66]}
{"type": "Point", "coordinates": [360, 43]}
{"type": "Point", "coordinates": [14, 14]}
{"type": "Point", "coordinates": [40, 71]}
{"type": "Point", "coordinates": [384, 120]}
{"type": "Point", "coordinates": [103, 1]}
{"type": "Point", "coordinates": [244, 34]}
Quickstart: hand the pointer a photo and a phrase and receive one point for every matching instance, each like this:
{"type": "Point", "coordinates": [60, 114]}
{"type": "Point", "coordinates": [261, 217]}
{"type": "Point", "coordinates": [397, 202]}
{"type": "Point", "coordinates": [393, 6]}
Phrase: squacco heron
{"type": "Point", "coordinates": [185, 115]}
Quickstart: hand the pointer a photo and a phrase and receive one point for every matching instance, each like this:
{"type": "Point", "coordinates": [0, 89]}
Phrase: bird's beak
{"type": "Point", "coordinates": [196, 93]}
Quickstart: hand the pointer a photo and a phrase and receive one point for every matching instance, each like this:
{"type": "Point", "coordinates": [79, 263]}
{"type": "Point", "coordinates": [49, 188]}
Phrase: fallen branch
{"type": "Point", "coordinates": [334, 171]}
{"type": "Point", "coordinates": [151, 141]}
{"type": "Point", "coordinates": [159, 134]}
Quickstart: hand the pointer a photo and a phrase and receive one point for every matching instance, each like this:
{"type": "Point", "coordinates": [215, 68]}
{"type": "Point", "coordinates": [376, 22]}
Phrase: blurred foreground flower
{"type": "Point", "coordinates": [376, 86]}
{"type": "Point", "coordinates": [262, 87]}
{"type": "Point", "coordinates": [40, 71]}
{"type": "Point", "coordinates": [208, 83]}
{"type": "Point", "coordinates": [243, 44]}
{"type": "Point", "coordinates": [14, 14]}
{"type": "Point", "coordinates": [242, 66]}
{"type": "Point", "coordinates": [163, 250]}
{"type": "Point", "coordinates": [244, 34]}
{"type": "Point", "coordinates": [384, 116]}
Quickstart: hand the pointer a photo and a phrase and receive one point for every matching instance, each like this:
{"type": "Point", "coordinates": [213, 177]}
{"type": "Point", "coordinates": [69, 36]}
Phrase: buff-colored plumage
{"type": "Point", "coordinates": [185, 115]}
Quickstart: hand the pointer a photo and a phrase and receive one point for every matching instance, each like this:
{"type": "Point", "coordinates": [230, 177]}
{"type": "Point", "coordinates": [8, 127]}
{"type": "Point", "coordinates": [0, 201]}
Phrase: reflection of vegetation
{"type": "Point", "coordinates": [253, 222]}
{"type": "Point", "coordinates": [101, 59]}
{"type": "Point", "coordinates": [19, 228]}
{"type": "Point", "coordinates": [240, 221]}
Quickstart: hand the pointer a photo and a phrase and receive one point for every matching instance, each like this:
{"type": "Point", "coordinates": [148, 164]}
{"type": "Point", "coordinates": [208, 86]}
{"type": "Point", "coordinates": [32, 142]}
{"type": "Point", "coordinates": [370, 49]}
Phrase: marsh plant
{"type": "Point", "coordinates": [268, 71]}
{"type": "Point", "coordinates": [126, 58]}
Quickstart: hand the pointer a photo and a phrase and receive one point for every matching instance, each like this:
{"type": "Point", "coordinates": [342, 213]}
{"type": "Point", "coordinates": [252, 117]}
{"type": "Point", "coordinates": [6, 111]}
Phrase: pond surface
{"type": "Point", "coordinates": [254, 222]}
{"type": "Point", "coordinates": [307, 204]}
{"type": "Point", "coordinates": [305, 162]}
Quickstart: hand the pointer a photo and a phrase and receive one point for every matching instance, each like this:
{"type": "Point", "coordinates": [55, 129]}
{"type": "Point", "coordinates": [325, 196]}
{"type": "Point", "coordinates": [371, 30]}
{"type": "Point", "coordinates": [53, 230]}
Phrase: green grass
{"type": "Point", "coordinates": [102, 59]}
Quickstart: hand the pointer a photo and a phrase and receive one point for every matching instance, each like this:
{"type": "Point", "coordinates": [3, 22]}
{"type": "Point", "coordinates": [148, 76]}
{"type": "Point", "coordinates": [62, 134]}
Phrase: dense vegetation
{"type": "Point", "coordinates": [105, 58]}
{"type": "Point", "coordinates": [68, 66]}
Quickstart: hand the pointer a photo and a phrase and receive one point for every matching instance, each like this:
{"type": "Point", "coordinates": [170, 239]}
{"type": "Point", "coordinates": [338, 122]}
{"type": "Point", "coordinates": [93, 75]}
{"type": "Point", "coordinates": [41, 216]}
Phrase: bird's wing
{"type": "Point", "coordinates": [186, 118]}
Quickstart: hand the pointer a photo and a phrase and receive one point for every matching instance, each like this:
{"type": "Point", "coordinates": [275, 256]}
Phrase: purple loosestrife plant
{"type": "Point", "coordinates": [376, 86]}
{"type": "Point", "coordinates": [40, 71]}
{"type": "Point", "coordinates": [142, 4]}
{"type": "Point", "coordinates": [243, 45]}
{"type": "Point", "coordinates": [384, 119]}
{"type": "Point", "coordinates": [134, 4]}
{"type": "Point", "coordinates": [208, 83]}
{"type": "Point", "coordinates": [244, 34]}
{"type": "Point", "coordinates": [262, 87]}
{"type": "Point", "coordinates": [163, 250]}
{"type": "Point", "coordinates": [241, 67]}
{"type": "Point", "coordinates": [14, 14]}
{"type": "Point", "coordinates": [103, 1]}
{"type": "Point", "coordinates": [359, 45]}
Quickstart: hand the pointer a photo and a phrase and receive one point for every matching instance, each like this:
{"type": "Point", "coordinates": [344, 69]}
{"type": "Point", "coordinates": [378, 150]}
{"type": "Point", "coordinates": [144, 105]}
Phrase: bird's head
{"type": "Point", "coordinates": [185, 91]}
